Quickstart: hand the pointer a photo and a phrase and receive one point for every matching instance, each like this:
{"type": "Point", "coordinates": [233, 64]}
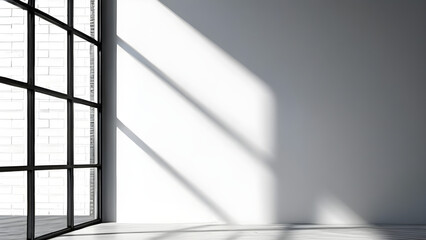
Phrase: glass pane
{"type": "Point", "coordinates": [13, 42]}
{"type": "Point", "coordinates": [50, 56]}
{"type": "Point", "coordinates": [13, 126]}
{"type": "Point", "coordinates": [50, 130]}
{"type": "Point", "coordinates": [86, 16]}
{"type": "Point", "coordinates": [13, 205]}
{"type": "Point", "coordinates": [85, 134]}
{"type": "Point", "coordinates": [50, 201]}
{"type": "Point", "coordinates": [85, 192]}
{"type": "Point", "coordinates": [55, 8]}
{"type": "Point", "coordinates": [85, 70]}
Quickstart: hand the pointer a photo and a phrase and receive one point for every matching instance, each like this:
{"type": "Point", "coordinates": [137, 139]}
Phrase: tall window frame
{"type": "Point", "coordinates": [32, 89]}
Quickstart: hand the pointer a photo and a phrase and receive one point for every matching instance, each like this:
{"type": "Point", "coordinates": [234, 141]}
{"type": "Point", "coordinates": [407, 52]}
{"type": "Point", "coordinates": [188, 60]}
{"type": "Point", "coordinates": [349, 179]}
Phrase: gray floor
{"type": "Point", "coordinates": [109, 231]}
{"type": "Point", "coordinates": [15, 227]}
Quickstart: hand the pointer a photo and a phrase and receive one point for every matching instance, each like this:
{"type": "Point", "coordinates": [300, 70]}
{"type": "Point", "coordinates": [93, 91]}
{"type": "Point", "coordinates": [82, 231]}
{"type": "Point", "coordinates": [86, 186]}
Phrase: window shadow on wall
{"type": "Point", "coordinates": [176, 175]}
{"type": "Point", "coordinates": [337, 140]}
{"type": "Point", "coordinates": [257, 154]}
{"type": "Point", "coordinates": [349, 133]}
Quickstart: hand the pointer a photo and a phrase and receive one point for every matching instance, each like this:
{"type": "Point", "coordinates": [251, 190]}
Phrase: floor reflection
{"type": "Point", "coordinates": [15, 227]}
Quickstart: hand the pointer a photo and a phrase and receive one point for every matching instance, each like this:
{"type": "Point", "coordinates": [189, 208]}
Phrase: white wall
{"type": "Point", "coordinates": [182, 144]}
{"type": "Point", "coordinates": [271, 111]}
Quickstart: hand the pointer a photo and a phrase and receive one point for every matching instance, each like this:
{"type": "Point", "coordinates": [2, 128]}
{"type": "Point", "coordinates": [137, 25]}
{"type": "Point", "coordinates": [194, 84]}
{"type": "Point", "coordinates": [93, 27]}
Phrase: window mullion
{"type": "Point", "coordinates": [70, 120]}
{"type": "Point", "coordinates": [30, 123]}
{"type": "Point", "coordinates": [70, 163]}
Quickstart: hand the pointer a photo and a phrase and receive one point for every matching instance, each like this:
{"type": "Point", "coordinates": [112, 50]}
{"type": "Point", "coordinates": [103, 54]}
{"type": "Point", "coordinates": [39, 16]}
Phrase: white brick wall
{"type": "Point", "coordinates": [84, 134]}
{"type": "Point", "coordinates": [51, 147]}
{"type": "Point", "coordinates": [13, 55]}
{"type": "Point", "coordinates": [85, 17]}
{"type": "Point", "coordinates": [50, 56]}
{"type": "Point", "coordinates": [50, 112]}
{"type": "Point", "coordinates": [51, 192]}
{"type": "Point", "coordinates": [12, 126]}
{"type": "Point", "coordinates": [85, 56]}
{"type": "Point", "coordinates": [57, 8]}
{"type": "Point", "coordinates": [83, 203]}
{"type": "Point", "coordinates": [13, 199]}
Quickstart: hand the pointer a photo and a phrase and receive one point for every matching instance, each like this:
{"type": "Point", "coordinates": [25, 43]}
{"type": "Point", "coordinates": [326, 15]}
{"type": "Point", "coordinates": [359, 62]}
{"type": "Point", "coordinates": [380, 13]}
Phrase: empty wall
{"type": "Point", "coordinates": [270, 111]}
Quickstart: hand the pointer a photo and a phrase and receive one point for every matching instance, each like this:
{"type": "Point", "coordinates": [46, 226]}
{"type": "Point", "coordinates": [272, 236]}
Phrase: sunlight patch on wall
{"type": "Point", "coordinates": [208, 117]}
{"type": "Point", "coordinates": [330, 210]}
{"type": "Point", "coordinates": [231, 92]}
{"type": "Point", "coordinates": [143, 181]}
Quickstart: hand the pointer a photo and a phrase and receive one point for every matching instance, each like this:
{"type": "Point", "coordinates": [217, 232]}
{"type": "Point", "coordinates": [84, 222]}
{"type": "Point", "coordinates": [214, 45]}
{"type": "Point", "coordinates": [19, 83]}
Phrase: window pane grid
{"type": "Point", "coordinates": [89, 36]}
{"type": "Point", "coordinates": [38, 89]}
{"type": "Point", "coordinates": [88, 207]}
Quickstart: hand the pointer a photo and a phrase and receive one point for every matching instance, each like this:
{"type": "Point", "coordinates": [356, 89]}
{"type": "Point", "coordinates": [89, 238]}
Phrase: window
{"type": "Point", "coordinates": [50, 117]}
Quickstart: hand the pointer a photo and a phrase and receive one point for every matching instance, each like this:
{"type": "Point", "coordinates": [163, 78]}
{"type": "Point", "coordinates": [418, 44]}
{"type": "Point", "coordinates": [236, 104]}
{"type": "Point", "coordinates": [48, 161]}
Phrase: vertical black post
{"type": "Point", "coordinates": [70, 162]}
{"type": "Point", "coordinates": [30, 124]}
{"type": "Point", "coordinates": [70, 118]}
{"type": "Point", "coordinates": [30, 173]}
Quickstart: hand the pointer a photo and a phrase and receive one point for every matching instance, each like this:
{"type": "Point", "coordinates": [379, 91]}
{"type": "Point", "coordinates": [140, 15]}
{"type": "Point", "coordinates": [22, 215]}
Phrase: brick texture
{"type": "Point", "coordinates": [50, 112]}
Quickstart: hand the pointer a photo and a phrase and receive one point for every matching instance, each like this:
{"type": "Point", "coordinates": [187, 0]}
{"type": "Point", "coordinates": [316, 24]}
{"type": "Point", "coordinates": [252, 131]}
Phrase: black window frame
{"type": "Point", "coordinates": [31, 88]}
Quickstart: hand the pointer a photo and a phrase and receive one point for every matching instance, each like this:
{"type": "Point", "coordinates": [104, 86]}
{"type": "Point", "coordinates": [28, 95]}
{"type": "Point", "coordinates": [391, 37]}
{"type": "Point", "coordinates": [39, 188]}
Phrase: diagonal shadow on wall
{"type": "Point", "coordinates": [256, 153]}
{"type": "Point", "coordinates": [173, 172]}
